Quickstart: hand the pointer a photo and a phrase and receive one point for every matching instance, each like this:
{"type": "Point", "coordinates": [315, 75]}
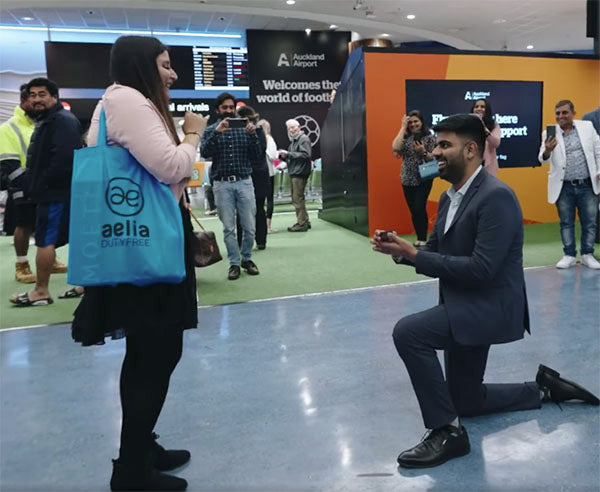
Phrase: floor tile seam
{"type": "Point", "coordinates": [296, 296]}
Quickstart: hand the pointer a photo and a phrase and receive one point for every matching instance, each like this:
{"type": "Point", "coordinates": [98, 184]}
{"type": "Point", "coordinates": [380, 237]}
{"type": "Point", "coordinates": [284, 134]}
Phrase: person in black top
{"type": "Point", "coordinates": [260, 180]}
{"type": "Point", "coordinates": [49, 167]}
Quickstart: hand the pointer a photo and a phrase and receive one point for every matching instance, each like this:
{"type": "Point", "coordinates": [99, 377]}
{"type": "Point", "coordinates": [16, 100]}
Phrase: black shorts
{"type": "Point", "coordinates": [52, 224]}
{"type": "Point", "coordinates": [24, 214]}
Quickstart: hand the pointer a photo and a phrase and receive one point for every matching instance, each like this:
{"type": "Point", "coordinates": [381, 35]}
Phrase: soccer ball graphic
{"type": "Point", "coordinates": [310, 127]}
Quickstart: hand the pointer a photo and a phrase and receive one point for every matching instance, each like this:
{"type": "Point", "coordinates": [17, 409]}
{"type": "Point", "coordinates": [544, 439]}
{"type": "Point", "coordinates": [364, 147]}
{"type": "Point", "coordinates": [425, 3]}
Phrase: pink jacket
{"type": "Point", "coordinates": [489, 154]}
{"type": "Point", "coordinates": [133, 122]}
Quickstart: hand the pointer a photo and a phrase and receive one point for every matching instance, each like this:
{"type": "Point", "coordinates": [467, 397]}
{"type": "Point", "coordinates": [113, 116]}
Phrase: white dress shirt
{"type": "Point", "coordinates": [456, 197]}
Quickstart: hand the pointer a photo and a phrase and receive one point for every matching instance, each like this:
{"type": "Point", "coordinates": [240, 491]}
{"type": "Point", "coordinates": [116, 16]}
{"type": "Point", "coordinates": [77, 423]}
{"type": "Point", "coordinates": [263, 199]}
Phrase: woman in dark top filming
{"type": "Point", "coordinates": [152, 318]}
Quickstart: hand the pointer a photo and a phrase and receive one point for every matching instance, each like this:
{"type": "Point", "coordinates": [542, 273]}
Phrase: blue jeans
{"type": "Point", "coordinates": [582, 198]}
{"type": "Point", "coordinates": [236, 197]}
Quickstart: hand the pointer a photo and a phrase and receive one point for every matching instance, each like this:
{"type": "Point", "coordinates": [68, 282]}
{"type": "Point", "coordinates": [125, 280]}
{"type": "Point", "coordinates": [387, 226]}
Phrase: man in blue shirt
{"type": "Point", "coordinates": [232, 150]}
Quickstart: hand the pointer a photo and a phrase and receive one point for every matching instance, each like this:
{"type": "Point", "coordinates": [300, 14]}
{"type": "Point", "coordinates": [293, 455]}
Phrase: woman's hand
{"type": "Point", "coordinates": [405, 122]}
{"type": "Point", "coordinates": [194, 123]}
{"type": "Point", "coordinates": [419, 147]}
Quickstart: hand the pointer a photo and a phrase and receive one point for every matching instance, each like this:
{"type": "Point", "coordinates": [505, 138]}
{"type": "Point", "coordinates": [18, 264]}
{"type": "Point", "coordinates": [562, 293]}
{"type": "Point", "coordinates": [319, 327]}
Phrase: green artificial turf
{"type": "Point", "coordinates": [326, 258]}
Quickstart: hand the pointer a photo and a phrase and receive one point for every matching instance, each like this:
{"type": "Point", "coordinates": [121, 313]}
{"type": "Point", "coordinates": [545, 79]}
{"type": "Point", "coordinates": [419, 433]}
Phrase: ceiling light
{"type": "Point", "coordinates": [499, 21]}
{"type": "Point", "coordinates": [529, 46]}
{"type": "Point", "coordinates": [333, 26]}
{"type": "Point", "coordinates": [290, 2]}
{"type": "Point", "coordinates": [411, 16]}
{"type": "Point", "coordinates": [307, 30]}
{"type": "Point", "coordinates": [27, 18]}
{"type": "Point", "coordinates": [119, 31]}
{"type": "Point", "coordinates": [385, 35]}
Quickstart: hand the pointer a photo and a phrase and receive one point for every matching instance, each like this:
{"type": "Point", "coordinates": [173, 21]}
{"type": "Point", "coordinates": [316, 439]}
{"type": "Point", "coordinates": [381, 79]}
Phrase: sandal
{"type": "Point", "coordinates": [71, 294]}
{"type": "Point", "coordinates": [22, 300]}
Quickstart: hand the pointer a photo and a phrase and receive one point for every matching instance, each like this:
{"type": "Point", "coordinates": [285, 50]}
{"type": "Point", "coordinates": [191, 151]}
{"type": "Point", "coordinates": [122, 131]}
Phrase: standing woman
{"type": "Point", "coordinates": [152, 318]}
{"type": "Point", "coordinates": [414, 143]}
{"type": "Point", "coordinates": [483, 109]}
{"type": "Point", "coordinates": [271, 156]}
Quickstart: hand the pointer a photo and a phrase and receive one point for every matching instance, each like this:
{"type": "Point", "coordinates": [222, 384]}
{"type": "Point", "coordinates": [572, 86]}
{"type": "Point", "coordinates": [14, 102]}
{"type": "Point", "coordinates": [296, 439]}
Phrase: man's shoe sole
{"type": "Point", "coordinates": [589, 397]}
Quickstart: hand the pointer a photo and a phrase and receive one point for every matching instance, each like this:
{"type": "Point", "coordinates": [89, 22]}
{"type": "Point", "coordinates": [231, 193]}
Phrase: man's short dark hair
{"type": "Point", "coordinates": [464, 125]}
{"type": "Point", "coordinates": [565, 102]}
{"type": "Point", "coordinates": [223, 97]}
{"type": "Point", "coordinates": [24, 93]}
{"type": "Point", "coordinates": [43, 82]}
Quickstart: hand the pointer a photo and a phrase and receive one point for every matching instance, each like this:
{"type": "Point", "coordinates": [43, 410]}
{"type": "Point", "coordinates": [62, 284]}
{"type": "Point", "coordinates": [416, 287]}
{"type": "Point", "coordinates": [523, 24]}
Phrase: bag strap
{"type": "Point", "coordinates": [101, 140]}
{"type": "Point", "coordinates": [197, 221]}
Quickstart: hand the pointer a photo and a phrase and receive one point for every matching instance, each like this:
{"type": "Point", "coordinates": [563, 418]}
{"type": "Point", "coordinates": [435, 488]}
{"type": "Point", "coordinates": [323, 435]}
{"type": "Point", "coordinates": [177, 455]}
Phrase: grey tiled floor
{"type": "Point", "coordinates": [305, 394]}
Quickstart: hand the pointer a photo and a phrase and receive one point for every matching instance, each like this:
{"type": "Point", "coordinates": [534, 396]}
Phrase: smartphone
{"type": "Point", "coordinates": [550, 131]}
{"type": "Point", "coordinates": [384, 236]}
{"type": "Point", "coordinates": [237, 122]}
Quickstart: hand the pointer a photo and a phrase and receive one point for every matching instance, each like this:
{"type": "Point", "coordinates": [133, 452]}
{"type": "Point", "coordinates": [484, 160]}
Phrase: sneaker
{"type": "Point", "coordinates": [212, 212]}
{"type": "Point", "coordinates": [59, 267]}
{"type": "Point", "coordinates": [250, 267]}
{"type": "Point", "coordinates": [566, 262]}
{"type": "Point", "coordinates": [23, 273]}
{"type": "Point", "coordinates": [590, 262]}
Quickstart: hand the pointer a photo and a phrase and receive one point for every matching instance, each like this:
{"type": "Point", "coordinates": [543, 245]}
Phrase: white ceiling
{"type": "Point", "coordinates": [548, 25]}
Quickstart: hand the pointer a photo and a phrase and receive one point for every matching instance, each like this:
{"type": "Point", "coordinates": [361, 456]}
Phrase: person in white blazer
{"type": "Point", "coordinates": [573, 181]}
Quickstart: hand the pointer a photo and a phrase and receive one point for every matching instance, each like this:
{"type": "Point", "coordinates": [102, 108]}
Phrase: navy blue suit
{"type": "Point", "coordinates": [479, 264]}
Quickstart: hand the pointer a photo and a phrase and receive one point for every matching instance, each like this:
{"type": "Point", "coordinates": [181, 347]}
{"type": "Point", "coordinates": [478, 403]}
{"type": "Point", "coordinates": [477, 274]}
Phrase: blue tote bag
{"type": "Point", "coordinates": [125, 225]}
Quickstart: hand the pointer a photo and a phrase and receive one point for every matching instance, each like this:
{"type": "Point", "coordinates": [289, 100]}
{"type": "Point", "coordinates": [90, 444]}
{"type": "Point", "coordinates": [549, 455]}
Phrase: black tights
{"type": "Point", "coordinates": [416, 199]}
{"type": "Point", "coordinates": [150, 359]}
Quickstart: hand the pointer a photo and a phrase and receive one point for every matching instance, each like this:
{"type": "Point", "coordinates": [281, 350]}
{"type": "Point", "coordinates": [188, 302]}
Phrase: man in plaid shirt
{"type": "Point", "coordinates": [232, 150]}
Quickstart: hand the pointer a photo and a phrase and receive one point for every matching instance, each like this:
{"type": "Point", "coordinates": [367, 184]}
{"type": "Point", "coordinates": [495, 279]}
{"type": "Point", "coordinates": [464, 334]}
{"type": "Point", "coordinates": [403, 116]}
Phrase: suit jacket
{"type": "Point", "coordinates": [558, 159]}
{"type": "Point", "coordinates": [479, 264]}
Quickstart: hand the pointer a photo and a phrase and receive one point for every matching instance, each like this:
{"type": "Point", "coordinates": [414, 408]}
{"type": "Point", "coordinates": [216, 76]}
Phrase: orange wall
{"type": "Point", "coordinates": [385, 73]}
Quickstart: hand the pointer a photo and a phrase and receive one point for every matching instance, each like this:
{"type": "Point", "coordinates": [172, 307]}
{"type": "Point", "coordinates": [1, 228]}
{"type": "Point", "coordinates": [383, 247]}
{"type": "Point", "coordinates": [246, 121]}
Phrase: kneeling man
{"type": "Point", "coordinates": [476, 252]}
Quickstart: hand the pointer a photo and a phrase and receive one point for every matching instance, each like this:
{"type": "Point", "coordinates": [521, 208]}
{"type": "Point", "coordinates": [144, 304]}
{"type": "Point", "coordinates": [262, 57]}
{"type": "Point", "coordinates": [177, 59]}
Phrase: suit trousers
{"type": "Point", "coordinates": [462, 392]}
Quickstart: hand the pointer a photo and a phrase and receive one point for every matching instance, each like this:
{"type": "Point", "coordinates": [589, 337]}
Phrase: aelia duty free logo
{"type": "Point", "coordinates": [124, 197]}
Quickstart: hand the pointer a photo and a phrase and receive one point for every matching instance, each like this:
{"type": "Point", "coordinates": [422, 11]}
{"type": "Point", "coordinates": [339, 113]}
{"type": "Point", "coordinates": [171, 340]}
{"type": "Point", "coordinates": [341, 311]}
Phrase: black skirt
{"type": "Point", "coordinates": [127, 309]}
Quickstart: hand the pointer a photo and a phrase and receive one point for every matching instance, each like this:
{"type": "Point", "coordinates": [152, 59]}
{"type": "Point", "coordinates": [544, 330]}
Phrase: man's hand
{"type": "Point", "coordinates": [250, 128]}
{"type": "Point", "coordinates": [549, 145]}
{"type": "Point", "coordinates": [282, 153]}
{"type": "Point", "coordinates": [394, 246]}
{"type": "Point", "coordinates": [223, 126]}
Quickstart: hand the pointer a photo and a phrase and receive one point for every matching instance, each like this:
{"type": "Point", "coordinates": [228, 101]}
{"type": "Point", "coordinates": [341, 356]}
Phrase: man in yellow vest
{"type": "Point", "coordinates": [15, 135]}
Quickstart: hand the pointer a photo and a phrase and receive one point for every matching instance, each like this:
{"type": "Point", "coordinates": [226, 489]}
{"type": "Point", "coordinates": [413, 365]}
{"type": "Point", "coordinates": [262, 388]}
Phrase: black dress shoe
{"type": "Point", "coordinates": [234, 272]}
{"type": "Point", "coordinates": [250, 267]}
{"type": "Point", "coordinates": [558, 389]}
{"type": "Point", "coordinates": [261, 246]}
{"type": "Point", "coordinates": [439, 446]}
{"type": "Point", "coordinates": [134, 478]}
{"type": "Point", "coordinates": [168, 459]}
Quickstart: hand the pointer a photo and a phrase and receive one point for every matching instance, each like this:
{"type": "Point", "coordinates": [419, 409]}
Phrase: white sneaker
{"type": "Point", "coordinates": [590, 262]}
{"type": "Point", "coordinates": [566, 262]}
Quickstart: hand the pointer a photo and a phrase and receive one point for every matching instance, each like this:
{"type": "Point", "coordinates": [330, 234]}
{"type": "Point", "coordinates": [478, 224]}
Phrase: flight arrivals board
{"type": "Point", "coordinates": [223, 68]}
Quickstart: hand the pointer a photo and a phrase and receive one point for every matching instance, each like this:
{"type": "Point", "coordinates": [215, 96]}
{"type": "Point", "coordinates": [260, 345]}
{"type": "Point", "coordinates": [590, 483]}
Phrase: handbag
{"type": "Point", "coordinates": [125, 225]}
{"type": "Point", "coordinates": [429, 170]}
{"type": "Point", "coordinates": [204, 243]}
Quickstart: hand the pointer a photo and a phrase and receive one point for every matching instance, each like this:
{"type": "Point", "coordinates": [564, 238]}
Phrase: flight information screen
{"type": "Point", "coordinates": [220, 67]}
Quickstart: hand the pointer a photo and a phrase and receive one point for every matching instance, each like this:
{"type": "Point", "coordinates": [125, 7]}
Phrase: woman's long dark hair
{"type": "Point", "coordinates": [133, 63]}
{"type": "Point", "coordinates": [424, 131]}
{"type": "Point", "coordinates": [488, 119]}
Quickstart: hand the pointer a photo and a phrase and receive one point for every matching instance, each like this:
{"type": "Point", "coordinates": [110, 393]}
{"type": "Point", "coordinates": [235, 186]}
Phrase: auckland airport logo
{"type": "Point", "coordinates": [300, 60]}
{"type": "Point", "coordinates": [474, 95]}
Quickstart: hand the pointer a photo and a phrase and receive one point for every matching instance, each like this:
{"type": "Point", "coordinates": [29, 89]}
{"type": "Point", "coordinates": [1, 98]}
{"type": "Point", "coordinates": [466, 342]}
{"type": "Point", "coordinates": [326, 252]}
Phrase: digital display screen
{"type": "Point", "coordinates": [516, 107]}
{"type": "Point", "coordinates": [86, 66]}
